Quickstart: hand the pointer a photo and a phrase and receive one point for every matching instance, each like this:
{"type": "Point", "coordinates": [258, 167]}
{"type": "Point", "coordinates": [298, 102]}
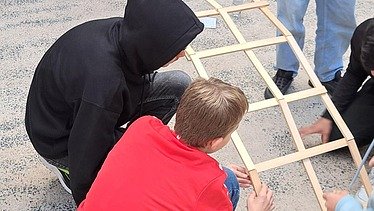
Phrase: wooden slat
{"type": "Point", "coordinates": [336, 116]}
{"type": "Point", "coordinates": [262, 104]}
{"type": "Point", "coordinates": [269, 81]}
{"type": "Point", "coordinates": [199, 67]}
{"type": "Point", "coordinates": [189, 51]}
{"type": "Point", "coordinates": [266, 11]}
{"type": "Point", "coordinates": [206, 13]}
{"type": "Point", "coordinates": [240, 47]}
{"type": "Point", "coordinates": [242, 7]}
{"type": "Point", "coordinates": [214, 4]}
{"type": "Point", "coordinates": [300, 146]}
{"type": "Point", "coordinates": [300, 155]}
{"type": "Point", "coordinates": [305, 94]}
{"type": "Point", "coordinates": [246, 6]}
{"type": "Point", "coordinates": [288, 98]}
{"type": "Point", "coordinates": [303, 61]}
{"type": "Point", "coordinates": [357, 160]}
{"type": "Point", "coordinates": [247, 160]}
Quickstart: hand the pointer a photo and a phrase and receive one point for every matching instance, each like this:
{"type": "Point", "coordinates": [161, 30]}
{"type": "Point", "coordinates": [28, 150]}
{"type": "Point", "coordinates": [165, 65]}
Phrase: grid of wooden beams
{"type": "Point", "coordinates": [279, 99]}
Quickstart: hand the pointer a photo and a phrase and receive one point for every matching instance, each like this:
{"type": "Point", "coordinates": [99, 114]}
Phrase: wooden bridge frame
{"type": "Point", "coordinates": [279, 99]}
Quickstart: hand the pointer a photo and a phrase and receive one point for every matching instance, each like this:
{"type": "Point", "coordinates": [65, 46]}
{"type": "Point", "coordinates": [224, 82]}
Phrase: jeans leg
{"type": "Point", "coordinates": [164, 95]}
{"type": "Point", "coordinates": [359, 116]}
{"type": "Point", "coordinates": [291, 13]}
{"type": "Point", "coordinates": [335, 25]}
{"type": "Point", "coordinates": [232, 186]}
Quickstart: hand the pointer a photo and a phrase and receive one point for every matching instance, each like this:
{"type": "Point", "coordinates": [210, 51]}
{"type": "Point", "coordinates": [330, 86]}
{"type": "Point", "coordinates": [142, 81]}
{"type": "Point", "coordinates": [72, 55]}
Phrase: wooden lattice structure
{"type": "Point", "coordinates": [279, 99]}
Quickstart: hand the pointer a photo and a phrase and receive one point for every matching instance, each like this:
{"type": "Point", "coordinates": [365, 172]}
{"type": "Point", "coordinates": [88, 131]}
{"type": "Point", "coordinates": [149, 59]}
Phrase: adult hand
{"type": "Point", "coordinates": [332, 198]}
{"type": "Point", "coordinates": [241, 175]}
{"type": "Point", "coordinates": [322, 126]}
{"type": "Point", "coordinates": [263, 202]}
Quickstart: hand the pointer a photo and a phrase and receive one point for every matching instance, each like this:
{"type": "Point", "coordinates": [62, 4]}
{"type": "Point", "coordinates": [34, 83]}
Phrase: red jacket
{"type": "Point", "coordinates": [151, 169]}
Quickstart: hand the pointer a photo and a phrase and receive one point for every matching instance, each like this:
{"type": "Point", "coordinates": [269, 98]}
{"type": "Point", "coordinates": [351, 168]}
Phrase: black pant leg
{"type": "Point", "coordinates": [359, 116]}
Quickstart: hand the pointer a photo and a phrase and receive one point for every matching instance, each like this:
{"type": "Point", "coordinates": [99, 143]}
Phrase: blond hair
{"type": "Point", "coordinates": [209, 109]}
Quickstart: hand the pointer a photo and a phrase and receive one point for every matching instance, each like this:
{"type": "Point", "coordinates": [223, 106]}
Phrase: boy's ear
{"type": "Point", "coordinates": [214, 144]}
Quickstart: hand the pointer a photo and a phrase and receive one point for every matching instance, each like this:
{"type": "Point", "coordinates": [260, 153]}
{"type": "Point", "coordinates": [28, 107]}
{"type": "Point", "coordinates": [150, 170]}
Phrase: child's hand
{"type": "Point", "coordinates": [263, 202]}
{"type": "Point", "coordinates": [332, 198]}
{"type": "Point", "coordinates": [241, 175]}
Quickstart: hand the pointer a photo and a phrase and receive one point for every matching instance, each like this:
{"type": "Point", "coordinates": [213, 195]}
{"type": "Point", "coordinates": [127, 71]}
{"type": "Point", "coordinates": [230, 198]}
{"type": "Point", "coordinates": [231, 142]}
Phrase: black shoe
{"type": "Point", "coordinates": [330, 85]}
{"type": "Point", "coordinates": [283, 81]}
{"type": "Point", "coordinates": [62, 174]}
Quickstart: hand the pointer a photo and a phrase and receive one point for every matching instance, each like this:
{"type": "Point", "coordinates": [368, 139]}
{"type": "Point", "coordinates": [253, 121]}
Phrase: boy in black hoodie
{"type": "Point", "coordinates": [99, 76]}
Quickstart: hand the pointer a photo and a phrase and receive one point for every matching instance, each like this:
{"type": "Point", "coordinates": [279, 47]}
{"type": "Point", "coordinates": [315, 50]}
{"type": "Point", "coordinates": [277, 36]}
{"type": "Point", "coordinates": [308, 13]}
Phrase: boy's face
{"type": "Point", "coordinates": [372, 72]}
{"type": "Point", "coordinates": [179, 55]}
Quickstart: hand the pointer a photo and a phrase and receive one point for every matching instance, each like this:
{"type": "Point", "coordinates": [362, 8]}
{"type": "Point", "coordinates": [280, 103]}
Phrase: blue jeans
{"type": "Point", "coordinates": [335, 25]}
{"type": "Point", "coordinates": [232, 186]}
{"type": "Point", "coordinates": [163, 96]}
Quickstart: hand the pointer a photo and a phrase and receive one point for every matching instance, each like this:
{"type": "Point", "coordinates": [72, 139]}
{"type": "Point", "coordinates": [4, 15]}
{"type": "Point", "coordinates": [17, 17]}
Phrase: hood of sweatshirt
{"type": "Point", "coordinates": [153, 32]}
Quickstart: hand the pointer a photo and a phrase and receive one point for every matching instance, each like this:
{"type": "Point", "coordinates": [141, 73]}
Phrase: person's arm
{"type": "Point", "coordinates": [370, 205]}
{"type": "Point", "coordinates": [345, 91]}
{"type": "Point", "coordinates": [353, 78]}
{"type": "Point", "coordinates": [340, 200]}
{"type": "Point", "coordinates": [91, 138]}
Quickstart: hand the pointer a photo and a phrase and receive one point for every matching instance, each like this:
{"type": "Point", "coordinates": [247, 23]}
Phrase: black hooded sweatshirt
{"type": "Point", "coordinates": [355, 75]}
{"type": "Point", "coordinates": [91, 79]}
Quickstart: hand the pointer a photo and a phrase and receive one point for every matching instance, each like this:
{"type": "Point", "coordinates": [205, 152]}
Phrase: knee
{"type": "Point", "coordinates": [231, 180]}
{"type": "Point", "coordinates": [181, 81]}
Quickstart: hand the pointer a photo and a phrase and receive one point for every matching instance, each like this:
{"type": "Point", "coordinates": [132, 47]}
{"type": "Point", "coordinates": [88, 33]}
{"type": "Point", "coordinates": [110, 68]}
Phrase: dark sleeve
{"type": "Point", "coordinates": [355, 75]}
{"type": "Point", "coordinates": [91, 139]}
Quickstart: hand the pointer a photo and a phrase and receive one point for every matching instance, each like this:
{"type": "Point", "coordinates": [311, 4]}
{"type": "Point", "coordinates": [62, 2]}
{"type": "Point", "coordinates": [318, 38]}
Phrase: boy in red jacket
{"type": "Point", "coordinates": [162, 169]}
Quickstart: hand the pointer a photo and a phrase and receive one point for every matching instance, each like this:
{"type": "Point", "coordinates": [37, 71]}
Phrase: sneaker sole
{"type": "Point", "coordinates": [57, 172]}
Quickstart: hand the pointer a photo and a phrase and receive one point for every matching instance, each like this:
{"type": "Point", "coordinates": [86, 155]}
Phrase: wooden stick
{"type": "Point", "coordinates": [240, 47]}
{"type": "Point", "coordinates": [357, 160]}
{"type": "Point", "coordinates": [300, 155]}
{"type": "Point", "coordinates": [246, 6]}
{"type": "Point", "coordinates": [300, 146]}
{"type": "Point", "coordinates": [256, 182]}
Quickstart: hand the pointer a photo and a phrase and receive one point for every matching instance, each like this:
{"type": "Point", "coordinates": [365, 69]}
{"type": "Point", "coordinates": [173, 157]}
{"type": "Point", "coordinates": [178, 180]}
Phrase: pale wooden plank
{"type": "Point", "coordinates": [311, 92]}
{"type": "Point", "coordinates": [206, 13]}
{"type": "Point", "coordinates": [336, 116]}
{"type": "Point", "coordinates": [242, 7]}
{"type": "Point", "coordinates": [247, 160]}
{"type": "Point", "coordinates": [291, 124]}
{"type": "Point", "coordinates": [300, 155]}
{"type": "Point", "coordinates": [315, 184]}
{"type": "Point", "coordinates": [357, 160]}
{"type": "Point", "coordinates": [300, 146]}
{"type": "Point", "coordinates": [269, 81]}
{"type": "Point", "coordinates": [199, 67]}
{"type": "Point", "coordinates": [303, 61]}
{"type": "Point", "coordinates": [214, 4]}
{"type": "Point", "coordinates": [189, 51]}
{"type": "Point", "coordinates": [262, 104]}
{"type": "Point", "coordinates": [266, 11]}
{"type": "Point", "coordinates": [246, 6]}
{"type": "Point", "coordinates": [240, 47]}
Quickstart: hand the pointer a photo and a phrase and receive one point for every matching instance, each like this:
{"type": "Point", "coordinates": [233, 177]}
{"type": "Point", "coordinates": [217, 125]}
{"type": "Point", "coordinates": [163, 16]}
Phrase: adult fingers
{"type": "Point", "coordinates": [304, 131]}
